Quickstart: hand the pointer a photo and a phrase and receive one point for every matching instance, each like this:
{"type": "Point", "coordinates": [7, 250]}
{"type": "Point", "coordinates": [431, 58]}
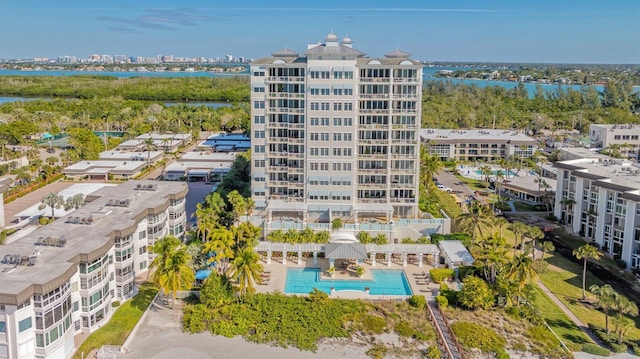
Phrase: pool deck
{"type": "Point", "coordinates": [278, 276]}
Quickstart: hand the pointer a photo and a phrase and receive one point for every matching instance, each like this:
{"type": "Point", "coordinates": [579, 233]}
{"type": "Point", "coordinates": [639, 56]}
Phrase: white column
{"type": "Point", "coordinates": [388, 259]}
{"type": "Point", "coordinates": [420, 255]}
{"type": "Point", "coordinates": [284, 257]}
{"type": "Point", "coordinates": [436, 260]}
{"type": "Point", "coordinates": [404, 259]}
{"type": "Point", "coordinates": [299, 257]}
{"type": "Point", "coordinates": [268, 257]}
{"type": "Point", "coordinates": [315, 257]}
{"type": "Point", "coordinates": [373, 259]}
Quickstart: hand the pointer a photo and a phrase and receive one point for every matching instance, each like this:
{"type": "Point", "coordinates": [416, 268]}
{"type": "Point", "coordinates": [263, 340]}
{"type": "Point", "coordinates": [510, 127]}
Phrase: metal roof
{"type": "Point", "coordinates": [334, 50]}
{"type": "Point", "coordinates": [456, 252]}
{"type": "Point", "coordinates": [346, 250]}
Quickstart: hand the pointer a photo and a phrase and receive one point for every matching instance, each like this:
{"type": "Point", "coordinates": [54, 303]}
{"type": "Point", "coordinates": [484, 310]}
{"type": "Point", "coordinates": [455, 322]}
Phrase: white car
{"type": "Point", "coordinates": [443, 188]}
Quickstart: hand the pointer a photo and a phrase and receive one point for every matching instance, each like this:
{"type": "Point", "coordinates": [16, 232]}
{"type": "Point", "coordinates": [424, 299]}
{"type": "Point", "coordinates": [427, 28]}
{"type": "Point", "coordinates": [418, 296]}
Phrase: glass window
{"type": "Point", "coordinates": [3, 327]}
{"type": "Point", "coordinates": [24, 324]}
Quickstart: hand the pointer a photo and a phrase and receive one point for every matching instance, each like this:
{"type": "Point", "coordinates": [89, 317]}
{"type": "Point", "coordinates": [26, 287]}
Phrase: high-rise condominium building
{"type": "Point", "coordinates": [335, 134]}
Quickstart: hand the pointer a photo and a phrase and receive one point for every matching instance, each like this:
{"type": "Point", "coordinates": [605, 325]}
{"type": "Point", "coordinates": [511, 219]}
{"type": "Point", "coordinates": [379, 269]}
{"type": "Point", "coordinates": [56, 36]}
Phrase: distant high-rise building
{"type": "Point", "coordinates": [335, 133]}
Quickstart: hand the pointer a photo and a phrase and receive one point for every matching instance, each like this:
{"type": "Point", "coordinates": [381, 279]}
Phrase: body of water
{"type": "Point", "coordinates": [199, 103]}
{"type": "Point", "coordinates": [122, 74]}
{"type": "Point", "coordinates": [385, 282]}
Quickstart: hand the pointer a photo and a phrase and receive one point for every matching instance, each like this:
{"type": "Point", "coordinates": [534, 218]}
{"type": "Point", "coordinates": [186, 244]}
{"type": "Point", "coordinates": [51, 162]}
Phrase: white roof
{"type": "Point", "coordinates": [455, 252]}
{"type": "Point", "coordinates": [84, 188]}
{"type": "Point", "coordinates": [129, 155]}
{"type": "Point", "coordinates": [209, 156]}
{"type": "Point", "coordinates": [128, 166]}
{"type": "Point", "coordinates": [184, 166]}
{"type": "Point", "coordinates": [442, 134]}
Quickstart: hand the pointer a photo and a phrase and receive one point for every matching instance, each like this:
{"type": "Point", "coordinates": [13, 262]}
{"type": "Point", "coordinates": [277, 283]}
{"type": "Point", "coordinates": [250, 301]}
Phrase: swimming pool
{"type": "Point", "coordinates": [385, 282]}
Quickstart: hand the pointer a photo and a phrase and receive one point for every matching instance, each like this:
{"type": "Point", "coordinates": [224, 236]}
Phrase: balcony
{"type": "Point", "coordinates": [279, 168]}
{"type": "Point", "coordinates": [374, 155]}
{"type": "Point", "coordinates": [372, 186]}
{"type": "Point", "coordinates": [404, 111]}
{"type": "Point", "coordinates": [124, 277]}
{"type": "Point", "coordinates": [403, 200]}
{"type": "Point", "coordinates": [375, 95]}
{"type": "Point", "coordinates": [405, 79]}
{"type": "Point", "coordinates": [295, 155]}
{"type": "Point", "coordinates": [374, 142]}
{"type": "Point", "coordinates": [405, 95]}
{"type": "Point", "coordinates": [284, 79]}
{"type": "Point", "coordinates": [375, 79]}
{"type": "Point", "coordinates": [376, 110]}
{"type": "Point", "coordinates": [285, 95]}
{"type": "Point", "coordinates": [372, 200]}
{"type": "Point", "coordinates": [296, 170]}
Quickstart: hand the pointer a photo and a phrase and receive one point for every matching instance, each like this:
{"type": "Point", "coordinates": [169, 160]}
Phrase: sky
{"type": "Point", "coordinates": [529, 31]}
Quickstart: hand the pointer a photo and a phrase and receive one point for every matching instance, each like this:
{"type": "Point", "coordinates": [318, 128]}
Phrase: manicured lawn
{"type": "Point", "coordinates": [572, 336]}
{"type": "Point", "coordinates": [116, 331]}
{"type": "Point", "coordinates": [564, 279]}
{"type": "Point", "coordinates": [475, 185]}
{"type": "Point", "coordinates": [448, 204]}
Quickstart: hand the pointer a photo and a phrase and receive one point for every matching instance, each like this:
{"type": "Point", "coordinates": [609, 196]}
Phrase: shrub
{"type": "Point", "coordinates": [115, 304]}
{"type": "Point", "coordinates": [378, 351]}
{"type": "Point", "coordinates": [594, 349]}
{"type": "Point", "coordinates": [418, 301]}
{"type": "Point", "coordinates": [473, 335]}
{"type": "Point", "coordinates": [618, 348]}
{"type": "Point", "coordinates": [440, 274]}
{"type": "Point", "coordinates": [433, 353]}
{"type": "Point", "coordinates": [443, 302]}
{"type": "Point", "coordinates": [464, 271]}
{"type": "Point", "coordinates": [476, 293]}
{"type": "Point", "coordinates": [373, 323]}
{"type": "Point", "coordinates": [444, 287]}
{"type": "Point", "coordinates": [635, 349]}
{"type": "Point", "coordinates": [404, 329]}
{"type": "Point", "coordinates": [540, 266]}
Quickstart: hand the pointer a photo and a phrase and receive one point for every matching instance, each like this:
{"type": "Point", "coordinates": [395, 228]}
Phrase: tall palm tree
{"type": "Point", "coordinates": [239, 205]}
{"type": "Point", "coordinates": [499, 222]}
{"type": "Point", "coordinates": [625, 307]}
{"type": "Point", "coordinates": [246, 270]}
{"type": "Point", "coordinates": [429, 165]}
{"type": "Point", "coordinates": [623, 324]}
{"type": "Point", "coordinates": [53, 200]}
{"type": "Point", "coordinates": [220, 248]}
{"type": "Point", "coordinates": [246, 235]}
{"type": "Point", "coordinates": [491, 255]}
{"type": "Point", "coordinates": [520, 271]}
{"type": "Point", "coordinates": [547, 247]}
{"type": "Point", "coordinates": [534, 233]}
{"type": "Point", "coordinates": [148, 146]}
{"type": "Point", "coordinates": [162, 248]}
{"type": "Point", "coordinates": [519, 229]}
{"type": "Point", "coordinates": [606, 300]}
{"type": "Point", "coordinates": [585, 252]}
{"type": "Point", "coordinates": [477, 217]}
{"type": "Point", "coordinates": [176, 274]}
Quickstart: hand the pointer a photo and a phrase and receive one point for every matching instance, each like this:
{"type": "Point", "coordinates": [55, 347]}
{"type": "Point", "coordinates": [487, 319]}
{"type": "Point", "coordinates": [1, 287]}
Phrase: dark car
{"type": "Point", "coordinates": [51, 150]}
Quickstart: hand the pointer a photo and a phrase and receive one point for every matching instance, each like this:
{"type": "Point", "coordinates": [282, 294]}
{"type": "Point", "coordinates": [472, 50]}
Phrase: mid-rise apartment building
{"type": "Point", "coordinates": [61, 279]}
{"type": "Point", "coordinates": [477, 145]}
{"type": "Point", "coordinates": [627, 136]}
{"type": "Point", "coordinates": [599, 198]}
{"type": "Point", "coordinates": [335, 133]}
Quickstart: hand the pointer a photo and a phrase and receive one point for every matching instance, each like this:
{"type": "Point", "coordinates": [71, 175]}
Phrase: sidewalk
{"type": "Point", "coordinates": [576, 320]}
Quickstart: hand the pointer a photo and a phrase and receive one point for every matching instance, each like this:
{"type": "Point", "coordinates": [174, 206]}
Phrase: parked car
{"type": "Point", "coordinates": [443, 188]}
{"type": "Point", "coordinates": [51, 150]}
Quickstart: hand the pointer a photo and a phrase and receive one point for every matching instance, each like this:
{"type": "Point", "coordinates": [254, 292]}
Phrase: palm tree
{"type": "Point", "coordinates": [74, 202]}
{"type": "Point", "coordinates": [246, 235]}
{"type": "Point", "coordinates": [623, 324]}
{"type": "Point", "coordinates": [148, 146]}
{"type": "Point", "coordinates": [625, 307]}
{"type": "Point", "coordinates": [499, 222]}
{"type": "Point", "coordinates": [519, 229]}
{"type": "Point", "coordinates": [176, 274]}
{"type": "Point", "coordinates": [585, 252]}
{"type": "Point", "coordinates": [491, 255]}
{"type": "Point", "coordinates": [547, 247]}
{"type": "Point", "coordinates": [221, 245]}
{"type": "Point", "coordinates": [246, 269]}
{"type": "Point", "coordinates": [429, 164]}
{"type": "Point", "coordinates": [239, 205]}
{"type": "Point", "coordinates": [534, 233]}
{"type": "Point", "coordinates": [53, 200]}
{"type": "Point", "coordinates": [520, 270]}
{"type": "Point", "coordinates": [165, 143]}
{"type": "Point", "coordinates": [162, 248]}
{"type": "Point", "coordinates": [606, 300]}
{"type": "Point", "coordinates": [477, 217]}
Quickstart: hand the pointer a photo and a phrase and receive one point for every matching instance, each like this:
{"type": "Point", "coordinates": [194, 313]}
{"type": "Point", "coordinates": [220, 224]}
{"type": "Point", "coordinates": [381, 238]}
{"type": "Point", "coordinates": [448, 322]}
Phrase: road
{"type": "Point", "coordinates": [458, 187]}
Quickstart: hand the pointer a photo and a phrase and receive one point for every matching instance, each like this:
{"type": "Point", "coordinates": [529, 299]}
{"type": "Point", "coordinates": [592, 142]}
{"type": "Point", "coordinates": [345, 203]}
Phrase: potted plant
{"type": "Point", "coordinates": [360, 271]}
{"type": "Point", "coordinates": [332, 271]}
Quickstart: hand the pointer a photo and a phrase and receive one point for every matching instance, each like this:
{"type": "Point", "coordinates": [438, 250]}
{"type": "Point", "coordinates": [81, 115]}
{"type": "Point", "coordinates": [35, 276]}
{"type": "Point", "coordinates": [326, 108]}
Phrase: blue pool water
{"type": "Point", "coordinates": [385, 282]}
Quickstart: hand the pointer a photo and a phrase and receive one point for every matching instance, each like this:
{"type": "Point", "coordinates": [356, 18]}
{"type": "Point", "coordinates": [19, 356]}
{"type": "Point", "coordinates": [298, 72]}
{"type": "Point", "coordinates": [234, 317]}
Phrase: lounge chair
{"type": "Point", "coordinates": [420, 274]}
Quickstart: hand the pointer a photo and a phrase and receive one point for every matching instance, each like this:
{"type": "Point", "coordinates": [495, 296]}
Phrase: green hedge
{"type": "Point", "coordinates": [418, 301]}
{"type": "Point", "coordinates": [440, 274]}
{"type": "Point", "coordinates": [595, 349]}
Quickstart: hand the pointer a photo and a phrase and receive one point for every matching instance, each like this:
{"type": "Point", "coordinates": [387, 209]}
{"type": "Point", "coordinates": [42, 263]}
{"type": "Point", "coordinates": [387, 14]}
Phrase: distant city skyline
{"type": "Point", "coordinates": [543, 31]}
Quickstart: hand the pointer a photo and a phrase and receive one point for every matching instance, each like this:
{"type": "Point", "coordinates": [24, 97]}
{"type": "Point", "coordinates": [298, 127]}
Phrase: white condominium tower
{"type": "Point", "coordinates": [335, 134]}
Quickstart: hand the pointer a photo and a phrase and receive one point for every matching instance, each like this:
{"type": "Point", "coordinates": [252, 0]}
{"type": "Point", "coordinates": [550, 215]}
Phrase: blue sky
{"type": "Point", "coordinates": [558, 31]}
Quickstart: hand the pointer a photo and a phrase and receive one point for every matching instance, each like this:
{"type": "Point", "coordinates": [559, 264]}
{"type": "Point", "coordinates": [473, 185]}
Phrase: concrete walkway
{"type": "Point", "coordinates": [569, 313]}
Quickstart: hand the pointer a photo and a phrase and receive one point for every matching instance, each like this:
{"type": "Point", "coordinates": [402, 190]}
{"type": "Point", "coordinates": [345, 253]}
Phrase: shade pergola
{"type": "Point", "coordinates": [357, 251]}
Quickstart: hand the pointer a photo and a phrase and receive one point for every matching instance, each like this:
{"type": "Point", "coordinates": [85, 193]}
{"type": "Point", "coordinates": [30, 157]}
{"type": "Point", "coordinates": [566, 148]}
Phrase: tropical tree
{"type": "Point", "coordinates": [74, 202]}
{"type": "Point", "coordinates": [623, 325]}
{"type": "Point", "coordinates": [491, 256]}
{"type": "Point", "coordinates": [478, 216]}
{"type": "Point", "coordinates": [534, 233]}
{"type": "Point", "coordinates": [246, 270]}
{"type": "Point", "coordinates": [429, 165]}
{"type": "Point", "coordinates": [220, 248]}
{"type": "Point", "coordinates": [336, 224]}
{"type": "Point", "coordinates": [276, 236]}
{"type": "Point", "coordinates": [475, 293]}
{"type": "Point", "coordinates": [585, 252]}
{"type": "Point", "coordinates": [606, 300]}
{"type": "Point", "coordinates": [519, 229]}
{"type": "Point", "coordinates": [176, 273]}
{"type": "Point", "coordinates": [520, 272]}
{"type": "Point", "coordinates": [547, 247]}
{"type": "Point", "coordinates": [148, 145]}
{"type": "Point", "coordinates": [499, 222]}
{"type": "Point", "coordinates": [51, 160]}
{"type": "Point", "coordinates": [238, 204]}
{"type": "Point", "coordinates": [624, 306]}
{"type": "Point", "coordinates": [161, 249]}
{"type": "Point", "coordinates": [246, 235]}
{"type": "Point", "coordinates": [53, 200]}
